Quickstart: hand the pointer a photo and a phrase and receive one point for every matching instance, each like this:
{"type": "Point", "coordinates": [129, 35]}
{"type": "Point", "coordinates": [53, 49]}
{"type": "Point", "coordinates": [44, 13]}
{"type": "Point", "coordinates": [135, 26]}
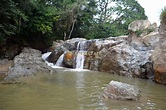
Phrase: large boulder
{"type": "Point", "coordinates": [121, 91]}
{"type": "Point", "coordinates": [55, 45]}
{"type": "Point", "coordinates": [124, 60]}
{"type": "Point", "coordinates": [151, 40]}
{"type": "Point", "coordinates": [28, 62]}
{"type": "Point", "coordinates": [71, 44]}
{"type": "Point", "coordinates": [159, 57]}
{"type": "Point", "coordinates": [97, 50]}
{"type": "Point", "coordinates": [139, 25]}
{"type": "Point", "coordinates": [116, 56]}
{"type": "Point", "coordinates": [140, 28]}
{"type": "Point", "coordinates": [68, 59]}
{"type": "Point", "coordinates": [54, 56]}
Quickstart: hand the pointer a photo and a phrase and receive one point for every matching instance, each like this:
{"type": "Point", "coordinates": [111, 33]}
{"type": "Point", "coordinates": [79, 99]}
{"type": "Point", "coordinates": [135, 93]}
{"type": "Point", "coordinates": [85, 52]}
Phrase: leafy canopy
{"type": "Point", "coordinates": [39, 22]}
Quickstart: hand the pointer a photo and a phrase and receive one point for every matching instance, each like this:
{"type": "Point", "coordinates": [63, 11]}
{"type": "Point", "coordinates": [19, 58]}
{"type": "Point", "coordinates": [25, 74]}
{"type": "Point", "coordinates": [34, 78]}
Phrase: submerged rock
{"type": "Point", "coordinates": [121, 91]}
{"type": "Point", "coordinates": [28, 62]}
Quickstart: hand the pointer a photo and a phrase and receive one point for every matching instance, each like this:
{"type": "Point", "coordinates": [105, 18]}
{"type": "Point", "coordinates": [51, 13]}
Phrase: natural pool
{"type": "Point", "coordinates": [68, 89]}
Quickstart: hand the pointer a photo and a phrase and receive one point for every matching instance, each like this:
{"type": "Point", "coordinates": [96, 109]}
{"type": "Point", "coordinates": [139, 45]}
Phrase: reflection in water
{"type": "Point", "coordinates": [77, 90]}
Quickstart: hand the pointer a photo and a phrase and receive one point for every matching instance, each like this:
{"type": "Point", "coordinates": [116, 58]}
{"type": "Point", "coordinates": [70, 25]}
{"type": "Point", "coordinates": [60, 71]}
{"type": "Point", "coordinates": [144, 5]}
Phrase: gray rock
{"type": "Point", "coordinates": [55, 45]}
{"type": "Point", "coordinates": [139, 25]}
{"type": "Point", "coordinates": [71, 44]}
{"type": "Point", "coordinates": [121, 91]}
{"type": "Point", "coordinates": [159, 57]}
{"type": "Point", "coordinates": [124, 60]}
{"type": "Point", "coordinates": [27, 63]}
{"type": "Point", "coordinates": [151, 40]}
{"type": "Point", "coordinates": [54, 56]}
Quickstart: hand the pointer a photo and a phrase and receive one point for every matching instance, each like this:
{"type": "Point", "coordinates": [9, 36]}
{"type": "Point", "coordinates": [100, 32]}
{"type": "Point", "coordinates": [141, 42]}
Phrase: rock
{"type": "Point", "coordinates": [139, 25]}
{"type": "Point", "coordinates": [99, 44]}
{"type": "Point", "coordinates": [54, 56]}
{"type": "Point", "coordinates": [28, 62]}
{"type": "Point", "coordinates": [5, 64]}
{"type": "Point", "coordinates": [71, 44]}
{"type": "Point", "coordinates": [97, 50]}
{"type": "Point", "coordinates": [118, 38]}
{"type": "Point", "coordinates": [55, 45]}
{"type": "Point", "coordinates": [159, 57]}
{"type": "Point", "coordinates": [91, 61]}
{"type": "Point", "coordinates": [124, 60]}
{"type": "Point", "coordinates": [153, 27]}
{"type": "Point", "coordinates": [147, 71]}
{"type": "Point", "coordinates": [121, 91]}
{"type": "Point", "coordinates": [139, 45]}
{"type": "Point", "coordinates": [151, 40]}
{"type": "Point", "coordinates": [141, 28]}
{"type": "Point", "coordinates": [68, 59]}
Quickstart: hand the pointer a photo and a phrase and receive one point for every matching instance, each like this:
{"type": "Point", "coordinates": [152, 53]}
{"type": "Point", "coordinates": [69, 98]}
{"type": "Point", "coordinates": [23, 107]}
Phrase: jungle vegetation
{"type": "Point", "coordinates": [28, 22]}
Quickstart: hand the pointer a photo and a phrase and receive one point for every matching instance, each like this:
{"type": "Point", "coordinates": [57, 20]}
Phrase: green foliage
{"type": "Point", "coordinates": [113, 17]}
{"type": "Point", "coordinates": [35, 21]}
{"type": "Point", "coordinates": [163, 15]}
{"type": "Point", "coordinates": [10, 17]}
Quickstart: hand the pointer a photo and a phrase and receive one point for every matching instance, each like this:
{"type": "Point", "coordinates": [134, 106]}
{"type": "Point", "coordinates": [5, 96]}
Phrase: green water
{"type": "Point", "coordinates": [77, 90]}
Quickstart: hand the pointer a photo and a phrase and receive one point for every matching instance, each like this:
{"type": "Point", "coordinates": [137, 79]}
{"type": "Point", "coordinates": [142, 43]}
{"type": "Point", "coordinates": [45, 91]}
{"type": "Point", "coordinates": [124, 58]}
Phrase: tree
{"type": "Point", "coordinates": [10, 16]}
{"type": "Point", "coordinates": [114, 16]}
{"type": "Point", "coordinates": [85, 20]}
{"type": "Point", "coordinates": [39, 22]}
{"type": "Point", "coordinates": [68, 11]}
{"type": "Point", "coordinates": [126, 11]}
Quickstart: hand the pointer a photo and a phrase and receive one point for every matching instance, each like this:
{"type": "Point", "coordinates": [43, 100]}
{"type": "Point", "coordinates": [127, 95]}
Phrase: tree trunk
{"type": "Point", "coordinates": [71, 30]}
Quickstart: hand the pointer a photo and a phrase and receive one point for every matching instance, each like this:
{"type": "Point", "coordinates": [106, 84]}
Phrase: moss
{"type": "Point", "coordinates": [163, 15]}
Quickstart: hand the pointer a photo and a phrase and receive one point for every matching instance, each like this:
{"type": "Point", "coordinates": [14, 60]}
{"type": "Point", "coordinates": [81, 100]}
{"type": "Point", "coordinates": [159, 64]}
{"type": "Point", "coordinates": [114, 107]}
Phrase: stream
{"type": "Point", "coordinates": [69, 89]}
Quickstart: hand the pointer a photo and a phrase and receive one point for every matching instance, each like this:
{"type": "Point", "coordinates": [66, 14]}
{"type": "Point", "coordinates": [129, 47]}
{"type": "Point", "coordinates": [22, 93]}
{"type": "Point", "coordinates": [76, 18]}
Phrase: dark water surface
{"type": "Point", "coordinates": [77, 90]}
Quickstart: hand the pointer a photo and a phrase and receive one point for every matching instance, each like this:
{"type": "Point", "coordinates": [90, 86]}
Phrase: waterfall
{"type": "Point", "coordinates": [60, 60]}
{"type": "Point", "coordinates": [80, 55]}
{"type": "Point", "coordinates": [45, 55]}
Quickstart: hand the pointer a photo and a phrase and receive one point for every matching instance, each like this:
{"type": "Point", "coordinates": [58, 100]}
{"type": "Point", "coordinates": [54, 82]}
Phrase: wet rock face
{"type": "Point", "coordinates": [68, 59]}
{"type": "Point", "coordinates": [53, 57]}
{"type": "Point", "coordinates": [28, 62]}
{"type": "Point", "coordinates": [71, 44]}
{"type": "Point", "coordinates": [121, 91]}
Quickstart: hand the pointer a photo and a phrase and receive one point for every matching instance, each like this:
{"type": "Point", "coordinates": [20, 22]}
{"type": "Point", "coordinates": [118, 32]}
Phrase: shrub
{"type": "Point", "coordinates": [163, 15]}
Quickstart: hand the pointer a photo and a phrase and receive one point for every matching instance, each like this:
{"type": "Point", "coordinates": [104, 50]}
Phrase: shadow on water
{"type": "Point", "coordinates": [76, 90]}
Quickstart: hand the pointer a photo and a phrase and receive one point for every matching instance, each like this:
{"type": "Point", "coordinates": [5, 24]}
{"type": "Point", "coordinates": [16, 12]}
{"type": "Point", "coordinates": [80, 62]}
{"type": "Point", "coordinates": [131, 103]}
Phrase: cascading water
{"type": "Point", "coordinates": [80, 55]}
{"type": "Point", "coordinates": [81, 50]}
{"type": "Point", "coordinates": [60, 60]}
{"type": "Point", "coordinates": [58, 63]}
